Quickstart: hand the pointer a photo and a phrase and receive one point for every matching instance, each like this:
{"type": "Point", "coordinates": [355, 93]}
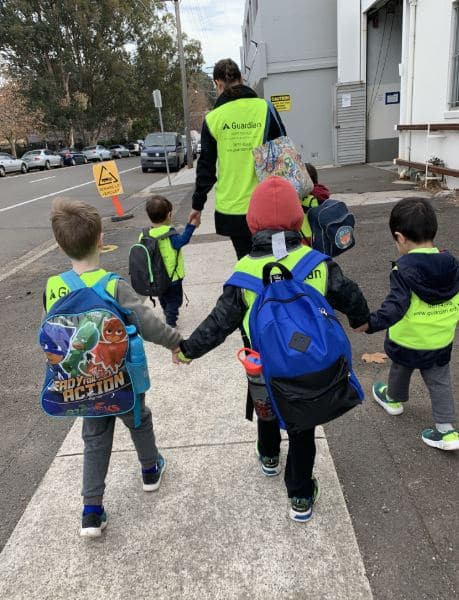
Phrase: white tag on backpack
{"type": "Point", "coordinates": [279, 245]}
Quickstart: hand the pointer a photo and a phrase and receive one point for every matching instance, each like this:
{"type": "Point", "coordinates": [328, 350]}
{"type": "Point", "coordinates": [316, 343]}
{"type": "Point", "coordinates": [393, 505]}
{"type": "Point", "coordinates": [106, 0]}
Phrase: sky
{"type": "Point", "coordinates": [217, 24]}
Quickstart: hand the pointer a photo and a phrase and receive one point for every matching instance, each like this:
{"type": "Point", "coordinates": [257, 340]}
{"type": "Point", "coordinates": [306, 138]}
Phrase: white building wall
{"type": "Point", "coordinates": [294, 52]}
{"type": "Point", "coordinates": [432, 83]}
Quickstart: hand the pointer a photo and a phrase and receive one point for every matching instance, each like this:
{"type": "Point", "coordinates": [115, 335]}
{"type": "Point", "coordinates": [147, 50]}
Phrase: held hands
{"type": "Point", "coordinates": [179, 358]}
{"type": "Point", "coordinates": [361, 329]}
{"type": "Point", "coordinates": [195, 218]}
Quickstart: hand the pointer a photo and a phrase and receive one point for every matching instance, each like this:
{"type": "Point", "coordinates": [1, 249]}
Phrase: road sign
{"type": "Point", "coordinates": [157, 99]}
{"type": "Point", "coordinates": [107, 179]}
{"type": "Point", "coordinates": [282, 102]}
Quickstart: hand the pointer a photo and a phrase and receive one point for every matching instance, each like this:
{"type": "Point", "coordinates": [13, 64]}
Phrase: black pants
{"type": "Point", "coordinates": [242, 245]}
{"type": "Point", "coordinates": [171, 301]}
{"type": "Point", "coordinates": [300, 457]}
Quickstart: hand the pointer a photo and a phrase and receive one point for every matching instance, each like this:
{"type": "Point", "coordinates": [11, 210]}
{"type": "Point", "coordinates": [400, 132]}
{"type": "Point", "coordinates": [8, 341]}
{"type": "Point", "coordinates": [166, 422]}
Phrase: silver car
{"type": "Point", "coordinates": [42, 159]}
{"type": "Point", "coordinates": [9, 164]}
{"type": "Point", "coordinates": [97, 152]}
{"type": "Point", "coordinates": [119, 151]}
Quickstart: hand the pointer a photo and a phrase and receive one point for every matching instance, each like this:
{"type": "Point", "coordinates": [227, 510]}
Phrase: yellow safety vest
{"type": "Point", "coordinates": [56, 288]}
{"type": "Point", "coordinates": [307, 203]}
{"type": "Point", "coordinates": [426, 326]}
{"type": "Point", "coordinates": [238, 127]}
{"type": "Point", "coordinates": [173, 259]}
{"type": "Point", "coordinates": [254, 266]}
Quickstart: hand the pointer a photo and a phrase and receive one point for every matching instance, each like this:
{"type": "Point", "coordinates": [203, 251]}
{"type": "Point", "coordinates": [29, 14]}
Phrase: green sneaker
{"type": "Point", "coordinates": [380, 395]}
{"type": "Point", "coordinates": [444, 441]}
{"type": "Point", "coordinates": [301, 508]}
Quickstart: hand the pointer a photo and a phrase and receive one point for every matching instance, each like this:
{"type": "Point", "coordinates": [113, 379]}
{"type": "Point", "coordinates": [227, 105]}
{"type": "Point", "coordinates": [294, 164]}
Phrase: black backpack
{"type": "Point", "coordinates": [332, 227]}
{"type": "Point", "coordinates": [149, 276]}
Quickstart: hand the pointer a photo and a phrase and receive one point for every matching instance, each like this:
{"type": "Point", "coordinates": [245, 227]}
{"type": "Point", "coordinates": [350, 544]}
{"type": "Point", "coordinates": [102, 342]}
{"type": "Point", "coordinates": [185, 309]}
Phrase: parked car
{"type": "Point", "coordinates": [9, 164]}
{"type": "Point", "coordinates": [152, 154]}
{"type": "Point", "coordinates": [73, 157]}
{"type": "Point", "coordinates": [97, 152]}
{"type": "Point", "coordinates": [119, 151]}
{"type": "Point", "coordinates": [135, 147]}
{"type": "Point", "coordinates": [194, 146]}
{"type": "Point", "coordinates": [42, 159]}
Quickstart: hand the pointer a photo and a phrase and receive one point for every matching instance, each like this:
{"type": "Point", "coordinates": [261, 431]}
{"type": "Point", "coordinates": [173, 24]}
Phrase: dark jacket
{"type": "Point", "coordinates": [206, 170]}
{"type": "Point", "coordinates": [432, 277]}
{"type": "Point", "coordinates": [342, 293]}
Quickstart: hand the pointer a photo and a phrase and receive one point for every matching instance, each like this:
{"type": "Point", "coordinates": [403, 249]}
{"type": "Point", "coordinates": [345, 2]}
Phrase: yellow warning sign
{"type": "Point", "coordinates": [107, 179]}
{"type": "Point", "coordinates": [282, 102]}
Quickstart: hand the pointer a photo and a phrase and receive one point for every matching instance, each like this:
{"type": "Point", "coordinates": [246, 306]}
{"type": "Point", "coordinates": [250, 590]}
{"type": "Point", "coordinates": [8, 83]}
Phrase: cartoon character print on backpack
{"type": "Point", "coordinates": [96, 364]}
{"type": "Point", "coordinates": [55, 341]}
{"type": "Point", "coordinates": [108, 355]}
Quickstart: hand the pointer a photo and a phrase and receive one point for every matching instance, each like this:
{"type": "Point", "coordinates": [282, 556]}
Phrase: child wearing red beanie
{"type": "Point", "coordinates": [275, 217]}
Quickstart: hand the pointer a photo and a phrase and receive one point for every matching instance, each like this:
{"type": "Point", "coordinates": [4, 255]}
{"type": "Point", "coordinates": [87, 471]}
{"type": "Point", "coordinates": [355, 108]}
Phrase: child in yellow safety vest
{"type": "Point", "coordinates": [159, 211]}
{"type": "Point", "coordinates": [420, 314]}
{"type": "Point", "coordinates": [77, 227]}
{"type": "Point", "coordinates": [319, 194]}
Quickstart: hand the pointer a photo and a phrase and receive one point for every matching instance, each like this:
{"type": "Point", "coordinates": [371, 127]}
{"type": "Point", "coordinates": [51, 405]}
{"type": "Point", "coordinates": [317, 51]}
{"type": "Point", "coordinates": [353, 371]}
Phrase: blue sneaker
{"type": "Point", "coordinates": [152, 477]}
{"type": "Point", "coordinates": [443, 441]}
{"type": "Point", "coordinates": [301, 508]}
{"type": "Point", "coordinates": [380, 395]}
{"type": "Point", "coordinates": [93, 524]}
{"type": "Point", "coordinates": [270, 466]}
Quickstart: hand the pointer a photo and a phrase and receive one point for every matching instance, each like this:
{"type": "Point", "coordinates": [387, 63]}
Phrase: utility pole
{"type": "Point", "coordinates": [186, 115]}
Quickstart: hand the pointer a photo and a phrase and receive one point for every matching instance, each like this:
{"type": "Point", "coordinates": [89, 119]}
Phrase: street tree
{"type": "Point", "coordinates": [91, 66]}
{"type": "Point", "coordinates": [17, 118]}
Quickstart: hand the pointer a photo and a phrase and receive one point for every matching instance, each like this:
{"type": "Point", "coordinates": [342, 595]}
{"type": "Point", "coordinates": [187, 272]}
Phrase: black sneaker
{"type": "Point", "coordinates": [269, 465]}
{"type": "Point", "coordinates": [152, 479]}
{"type": "Point", "coordinates": [93, 524]}
{"type": "Point", "coordinates": [301, 508]}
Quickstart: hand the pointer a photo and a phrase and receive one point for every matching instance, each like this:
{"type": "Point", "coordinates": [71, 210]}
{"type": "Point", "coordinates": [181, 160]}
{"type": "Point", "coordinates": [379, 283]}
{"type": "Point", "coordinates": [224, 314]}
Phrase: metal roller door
{"type": "Point", "coordinates": [350, 123]}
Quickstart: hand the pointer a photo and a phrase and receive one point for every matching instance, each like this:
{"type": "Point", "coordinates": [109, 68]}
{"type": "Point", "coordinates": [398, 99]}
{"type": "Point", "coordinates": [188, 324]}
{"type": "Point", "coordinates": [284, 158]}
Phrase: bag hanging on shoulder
{"type": "Point", "coordinates": [149, 276]}
{"type": "Point", "coordinates": [96, 364]}
{"type": "Point", "coordinates": [305, 354]}
{"type": "Point", "coordinates": [280, 157]}
{"type": "Point", "coordinates": [332, 227]}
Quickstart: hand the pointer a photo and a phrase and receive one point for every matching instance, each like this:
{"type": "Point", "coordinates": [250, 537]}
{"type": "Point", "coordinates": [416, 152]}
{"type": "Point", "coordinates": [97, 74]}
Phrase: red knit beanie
{"type": "Point", "coordinates": [275, 205]}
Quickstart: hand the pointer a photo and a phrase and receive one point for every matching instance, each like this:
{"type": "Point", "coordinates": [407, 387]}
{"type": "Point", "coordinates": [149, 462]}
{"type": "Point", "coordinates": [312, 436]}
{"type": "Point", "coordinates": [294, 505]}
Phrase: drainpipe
{"type": "Point", "coordinates": [411, 60]}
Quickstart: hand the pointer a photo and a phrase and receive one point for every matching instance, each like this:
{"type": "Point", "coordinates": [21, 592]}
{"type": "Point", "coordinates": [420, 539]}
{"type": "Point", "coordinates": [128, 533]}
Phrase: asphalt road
{"type": "Point", "coordinates": [25, 201]}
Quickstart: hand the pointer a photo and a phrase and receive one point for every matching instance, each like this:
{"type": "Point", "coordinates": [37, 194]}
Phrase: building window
{"type": "Point", "coordinates": [454, 103]}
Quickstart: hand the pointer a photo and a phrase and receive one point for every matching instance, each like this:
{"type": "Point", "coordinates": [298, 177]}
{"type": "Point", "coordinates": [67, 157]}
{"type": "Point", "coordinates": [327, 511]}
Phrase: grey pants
{"type": "Point", "coordinates": [438, 382]}
{"type": "Point", "coordinates": [97, 436]}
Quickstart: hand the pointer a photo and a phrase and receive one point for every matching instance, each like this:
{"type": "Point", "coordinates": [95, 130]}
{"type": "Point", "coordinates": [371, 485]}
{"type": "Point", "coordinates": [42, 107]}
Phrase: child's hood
{"type": "Point", "coordinates": [321, 192]}
{"type": "Point", "coordinates": [433, 277]}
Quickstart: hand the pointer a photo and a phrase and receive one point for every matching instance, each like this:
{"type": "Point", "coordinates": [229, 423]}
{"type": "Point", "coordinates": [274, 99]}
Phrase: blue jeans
{"type": "Point", "coordinates": [171, 301]}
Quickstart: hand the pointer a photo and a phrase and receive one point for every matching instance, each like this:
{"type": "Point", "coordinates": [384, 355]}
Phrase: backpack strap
{"type": "Point", "coordinates": [72, 280]}
{"type": "Point", "coordinates": [309, 262]}
{"type": "Point", "coordinates": [246, 281]}
{"type": "Point", "coordinates": [272, 115]}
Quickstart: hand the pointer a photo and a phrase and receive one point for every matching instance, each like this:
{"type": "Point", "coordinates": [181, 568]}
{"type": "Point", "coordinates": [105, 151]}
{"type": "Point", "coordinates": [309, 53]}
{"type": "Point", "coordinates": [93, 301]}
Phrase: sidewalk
{"type": "Point", "coordinates": [216, 529]}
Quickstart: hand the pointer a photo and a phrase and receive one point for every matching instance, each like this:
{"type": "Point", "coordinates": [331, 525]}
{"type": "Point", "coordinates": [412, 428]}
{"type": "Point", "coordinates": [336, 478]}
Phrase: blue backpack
{"type": "Point", "coordinates": [305, 353]}
{"type": "Point", "coordinates": [96, 364]}
{"type": "Point", "coordinates": [332, 227]}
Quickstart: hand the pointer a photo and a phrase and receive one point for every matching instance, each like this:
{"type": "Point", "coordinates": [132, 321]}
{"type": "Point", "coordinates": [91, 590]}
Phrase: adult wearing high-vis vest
{"type": "Point", "coordinates": [420, 314]}
{"type": "Point", "coordinates": [236, 125]}
{"type": "Point", "coordinates": [274, 207]}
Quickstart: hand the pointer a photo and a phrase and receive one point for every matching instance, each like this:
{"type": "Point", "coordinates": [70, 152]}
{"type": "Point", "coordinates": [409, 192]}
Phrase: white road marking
{"type": "Point", "coordinates": [74, 187]}
{"type": "Point", "coordinates": [42, 179]}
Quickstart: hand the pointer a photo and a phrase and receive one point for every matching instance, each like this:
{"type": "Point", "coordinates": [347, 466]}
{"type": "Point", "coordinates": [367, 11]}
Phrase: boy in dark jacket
{"type": "Point", "coordinates": [274, 208]}
{"type": "Point", "coordinates": [420, 314]}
